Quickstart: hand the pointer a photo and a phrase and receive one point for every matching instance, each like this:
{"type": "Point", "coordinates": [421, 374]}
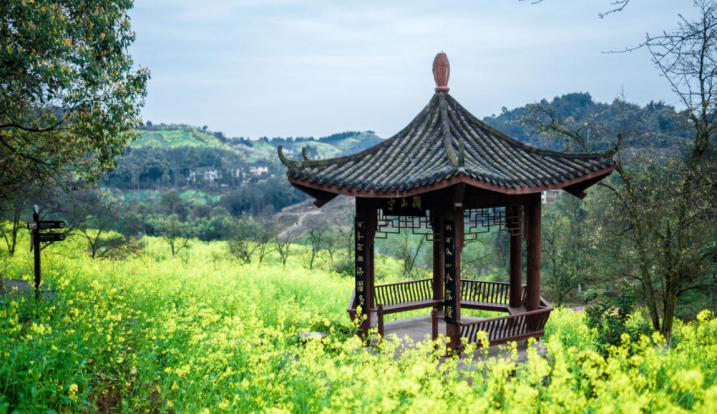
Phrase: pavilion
{"type": "Point", "coordinates": [449, 176]}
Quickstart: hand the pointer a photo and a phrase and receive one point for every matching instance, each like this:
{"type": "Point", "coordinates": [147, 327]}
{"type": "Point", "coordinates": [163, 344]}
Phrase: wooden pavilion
{"type": "Point", "coordinates": [449, 176]}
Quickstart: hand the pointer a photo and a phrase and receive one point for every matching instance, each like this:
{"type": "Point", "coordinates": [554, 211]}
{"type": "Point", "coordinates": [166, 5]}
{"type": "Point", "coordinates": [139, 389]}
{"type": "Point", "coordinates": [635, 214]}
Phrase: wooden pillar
{"type": "Point", "coordinates": [372, 225]}
{"type": "Point", "coordinates": [453, 229]}
{"type": "Point", "coordinates": [516, 256]}
{"type": "Point", "coordinates": [532, 300]}
{"type": "Point", "coordinates": [365, 230]}
{"type": "Point", "coordinates": [438, 246]}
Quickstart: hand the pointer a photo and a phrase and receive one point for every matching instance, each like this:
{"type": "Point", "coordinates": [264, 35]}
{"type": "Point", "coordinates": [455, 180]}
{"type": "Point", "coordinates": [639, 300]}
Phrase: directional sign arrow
{"type": "Point", "coordinates": [50, 237]}
{"type": "Point", "coordinates": [51, 224]}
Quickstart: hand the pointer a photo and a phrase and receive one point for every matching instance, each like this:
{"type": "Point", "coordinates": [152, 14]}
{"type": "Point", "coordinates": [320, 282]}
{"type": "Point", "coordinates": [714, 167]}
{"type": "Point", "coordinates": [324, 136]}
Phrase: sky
{"type": "Point", "coordinates": [256, 68]}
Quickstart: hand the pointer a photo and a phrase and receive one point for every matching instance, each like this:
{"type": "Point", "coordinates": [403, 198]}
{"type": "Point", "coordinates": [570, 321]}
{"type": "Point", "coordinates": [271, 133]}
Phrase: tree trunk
{"type": "Point", "coordinates": [11, 241]}
{"type": "Point", "coordinates": [668, 316]}
{"type": "Point", "coordinates": [645, 277]}
{"type": "Point", "coordinates": [311, 260]}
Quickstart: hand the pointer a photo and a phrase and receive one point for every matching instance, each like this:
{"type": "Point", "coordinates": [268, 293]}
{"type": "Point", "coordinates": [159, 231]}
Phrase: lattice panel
{"type": "Point", "coordinates": [388, 224]}
{"type": "Point", "coordinates": [483, 220]}
{"type": "Point", "coordinates": [476, 221]}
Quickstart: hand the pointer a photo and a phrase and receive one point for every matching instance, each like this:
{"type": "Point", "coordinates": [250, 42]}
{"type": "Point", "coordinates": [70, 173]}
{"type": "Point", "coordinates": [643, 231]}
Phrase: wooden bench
{"type": "Point", "coordinates": [507, 328]}
{"type": "Point", "coordinates": [476, 294]}
{"type": "Point", "coordinates": [404, 296]}
{"type": "Point", "coordinates": [514, 327]}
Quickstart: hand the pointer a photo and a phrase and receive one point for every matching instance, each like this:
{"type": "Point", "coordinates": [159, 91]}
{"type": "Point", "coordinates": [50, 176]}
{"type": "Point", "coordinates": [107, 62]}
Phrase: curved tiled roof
{"type": "Point", "coordinates": [446, 143]}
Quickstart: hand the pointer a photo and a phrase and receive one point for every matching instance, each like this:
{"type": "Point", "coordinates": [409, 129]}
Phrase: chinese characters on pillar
{"type": "Point", "coordinates": [450, 271]}
{"type": "Point", "coordinates": [360, 262]}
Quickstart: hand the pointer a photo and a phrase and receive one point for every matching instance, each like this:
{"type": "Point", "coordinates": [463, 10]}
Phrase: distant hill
{"type": "Point", "coordinates": [167, 136]}
{"type": "Point", "coordinates": [208, 167]}
{"type": "Point", "coordinates": [655, 125]}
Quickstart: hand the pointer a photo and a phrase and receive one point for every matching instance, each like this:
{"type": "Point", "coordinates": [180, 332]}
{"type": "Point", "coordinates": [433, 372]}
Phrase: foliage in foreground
{"type": "Point", "coordinates": [154, 333]}
{"type": "Point", "coordinates": [70, 91]}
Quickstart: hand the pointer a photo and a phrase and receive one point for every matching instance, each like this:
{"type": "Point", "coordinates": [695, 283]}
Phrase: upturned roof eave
{"type": "Point", "coordinates": [436, 100]}
{"type": "Point", "coordinates": [460, 178]}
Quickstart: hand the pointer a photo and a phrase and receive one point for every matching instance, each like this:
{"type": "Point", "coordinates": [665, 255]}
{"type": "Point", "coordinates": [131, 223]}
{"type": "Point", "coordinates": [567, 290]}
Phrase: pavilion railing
{"type": "Point", "coordinates": [416, 294]}
{"type": "Point", "coordinates": [508, 328]}
{"type": "Point", "coordinates": [480, 291]}
{"type": "Point", "coordinates": [399, 293]}
{"type": "Point", "coordinates": [474, 293]}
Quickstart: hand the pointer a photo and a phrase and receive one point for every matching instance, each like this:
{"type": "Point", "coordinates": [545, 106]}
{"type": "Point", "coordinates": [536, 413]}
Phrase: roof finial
{"type": "Point", "coordinates": [441, 72]}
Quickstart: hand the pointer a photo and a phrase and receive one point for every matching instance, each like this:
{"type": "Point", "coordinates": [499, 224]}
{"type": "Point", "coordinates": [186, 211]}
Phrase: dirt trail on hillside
{"type": "Point", "coordinates": [294, 220]}
{"type": "Point", "coordinates": [297, 217]}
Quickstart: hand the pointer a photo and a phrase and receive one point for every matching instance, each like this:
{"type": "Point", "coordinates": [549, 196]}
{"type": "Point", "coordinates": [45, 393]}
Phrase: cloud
{"type": "Point", "coordinates": [285, 67]}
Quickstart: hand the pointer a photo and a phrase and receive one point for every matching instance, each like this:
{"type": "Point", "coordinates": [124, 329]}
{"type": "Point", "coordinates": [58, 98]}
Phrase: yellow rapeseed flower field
{"type": "Point", "coordinates": [207, 334]}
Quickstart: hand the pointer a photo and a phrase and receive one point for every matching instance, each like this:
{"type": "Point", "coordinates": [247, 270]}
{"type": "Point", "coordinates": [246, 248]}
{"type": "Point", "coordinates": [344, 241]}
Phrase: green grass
{"type": "Point", "coordinates": [203, 333]}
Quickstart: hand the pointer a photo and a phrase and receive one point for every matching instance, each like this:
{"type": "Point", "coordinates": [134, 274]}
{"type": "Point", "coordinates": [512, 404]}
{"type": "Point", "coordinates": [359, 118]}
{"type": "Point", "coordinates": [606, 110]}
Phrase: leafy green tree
{"type": "Point", "coordinates": [250, 237]}
{"type": "Point", "coordinates": [69, 92]}
{"type": "Point", "coordinates": [101, 221]}
{"type": "Point", "coordinates": [265, 238]}
{"type": "Point", "coordinates": [663, 205]}
{"type": "Point", "coordinates": [282, 245]}
{"type": "Point", "coordinates": [175, 232]}
{"type": "Point", "coordinates": [409, 248]}
{"type": "Point", "coordinates": [171, 203]}
{"type": "Point", "coordinates": [13, 210]}
{"type": "Point", "coordinates": [559, 256]}
{"type": "Point", "coordinates": [318, 238]}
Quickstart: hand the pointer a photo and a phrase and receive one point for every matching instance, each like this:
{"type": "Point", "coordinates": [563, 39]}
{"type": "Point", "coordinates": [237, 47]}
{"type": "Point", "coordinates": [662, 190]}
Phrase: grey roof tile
{"type": "Point", "coordinates": [443, 141]}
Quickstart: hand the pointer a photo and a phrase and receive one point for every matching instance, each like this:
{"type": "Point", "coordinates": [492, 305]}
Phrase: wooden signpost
{"type": "Point", "coordinates": [35, 226]}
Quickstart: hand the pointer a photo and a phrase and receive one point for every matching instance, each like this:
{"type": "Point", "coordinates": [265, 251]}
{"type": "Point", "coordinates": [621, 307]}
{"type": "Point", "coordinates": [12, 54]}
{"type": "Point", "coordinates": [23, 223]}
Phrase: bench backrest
{"type": "Point", "coordinates": [403, 292]}
{"type": "Point", "coordinates": [508, 328]}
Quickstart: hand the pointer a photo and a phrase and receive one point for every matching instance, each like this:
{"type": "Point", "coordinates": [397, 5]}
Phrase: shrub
{"type": "Point", "coordinates": [612, 318]}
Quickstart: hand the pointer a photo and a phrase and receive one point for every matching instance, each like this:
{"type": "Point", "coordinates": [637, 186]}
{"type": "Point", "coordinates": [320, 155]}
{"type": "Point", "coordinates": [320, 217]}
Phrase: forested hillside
{"type": "Point", "coordinates": [205, 166]}
{"type": "Point", "coordinates": [655, 125]}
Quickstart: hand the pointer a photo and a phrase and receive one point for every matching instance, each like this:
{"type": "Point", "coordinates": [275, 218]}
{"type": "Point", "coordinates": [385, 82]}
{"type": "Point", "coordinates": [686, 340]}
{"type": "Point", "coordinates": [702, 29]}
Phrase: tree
{"type": "Point", "coordinates": [332, 244]}
{"type": "Point", "coordinates": [345, 238]}
{"type": "Point", "coordinates": [175, 233]}
{"type": "Point", "coordinates": [476, 256]}
{"type": "Point", "coordinates": [408, 250]}
{"type": "Point", "coordinates": [97, 218]}
{"type": "Point", "coordinates": [69, 93]}
{"type": "Point", "coordinates": [687, 59]}
{"type": "Point", "coordinates": [615, 6]}
{"type": "Point", "coordinates": [666, 203]}
{"type": "Point", "coordinates": [560, 276]}
{"type": "Point", "coordinates": [12, 209]}
{"type": "Point", "coordinates": [172, 203]}
{"type": "Point", "coordinates": [264, 238]}
{"type": "Point", "coordinates": [282, 245]}
{"type": "Point", "coordinates": [317, 235]}
{"type": "Point", "coordinates": [10, 235]}
{"type": "Point", "coordinates": [248, 237]}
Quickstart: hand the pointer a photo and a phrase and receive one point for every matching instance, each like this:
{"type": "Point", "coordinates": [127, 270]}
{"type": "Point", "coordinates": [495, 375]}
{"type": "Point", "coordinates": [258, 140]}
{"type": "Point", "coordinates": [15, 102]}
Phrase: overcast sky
{"type": "Point", "coordinates": [311, 68]}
